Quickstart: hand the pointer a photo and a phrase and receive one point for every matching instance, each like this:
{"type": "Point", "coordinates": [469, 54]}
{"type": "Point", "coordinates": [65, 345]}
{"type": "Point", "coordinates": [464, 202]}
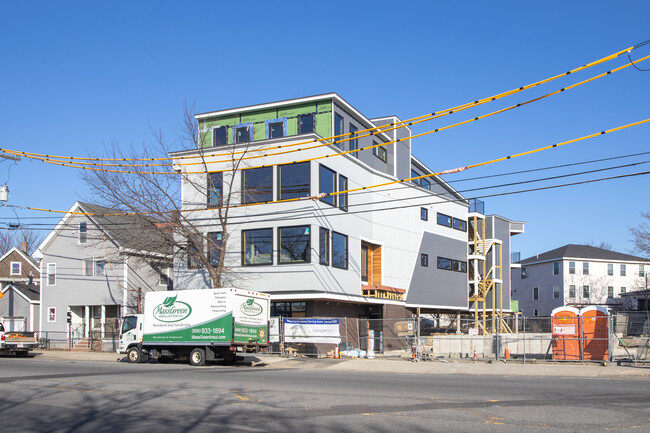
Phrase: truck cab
{"type": "Point", "coordinates": [130, 332]}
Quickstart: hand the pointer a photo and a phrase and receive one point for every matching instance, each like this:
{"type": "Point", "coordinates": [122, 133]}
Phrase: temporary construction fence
{"type": "Point", "coordinates": [586, 335]}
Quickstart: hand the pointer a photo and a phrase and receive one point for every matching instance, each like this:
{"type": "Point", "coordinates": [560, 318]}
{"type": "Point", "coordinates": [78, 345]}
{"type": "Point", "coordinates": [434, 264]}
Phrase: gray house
{"type": "Point", "coordinates": [20, 306]}
{"type": "Point", "coordinates": [95, 267]}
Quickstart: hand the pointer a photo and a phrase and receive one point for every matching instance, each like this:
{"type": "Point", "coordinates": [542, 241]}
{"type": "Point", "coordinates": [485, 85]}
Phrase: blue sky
{"type": "Point", "coordinates": [76, 76]}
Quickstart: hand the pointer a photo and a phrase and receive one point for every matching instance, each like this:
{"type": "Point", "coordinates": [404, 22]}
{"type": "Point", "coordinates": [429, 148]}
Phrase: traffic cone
{"type": "Point", "coordinates": [507, 354]}
{"type": "Point", "coordinates": [475, 354]}
{"type": "Point", "coordinates": [337, 355]}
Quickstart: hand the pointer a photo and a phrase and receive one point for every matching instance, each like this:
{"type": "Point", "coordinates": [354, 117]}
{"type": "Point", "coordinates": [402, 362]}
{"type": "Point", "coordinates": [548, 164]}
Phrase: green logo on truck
{"type": "Point", "coordinates": [251, 308]}
{"type": "Point", "coordinates": [172, 310]}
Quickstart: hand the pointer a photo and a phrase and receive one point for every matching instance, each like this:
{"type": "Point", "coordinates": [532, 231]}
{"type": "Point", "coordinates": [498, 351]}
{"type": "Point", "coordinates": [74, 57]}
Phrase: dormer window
{"type": "Point", "coordinates": [16, 268]}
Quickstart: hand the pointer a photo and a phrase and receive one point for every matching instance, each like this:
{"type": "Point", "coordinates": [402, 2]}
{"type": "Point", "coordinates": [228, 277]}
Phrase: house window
{"type": "Point", "coordinates": [585, 268]}
{"type": "Point", "coordinates": [257, 185]}
{"type": "Point", "coordinates": [305, 124]}
{"type": "Point", "coordinates": [289, 309]}
{"type": "Point", "coordinates": [51, 274]}
{"type": "Point", "coordinates": [99, 268]}
{"type": "Point", "coordinates": [242, 134]}
{"type": "Point", "coordinates": [610, 291]}
{"type": "Point", "coordinates": [572, 291]}
{"type": "Point", "coordinates": [379, 151]}
{"type": "Point", "coordinates": [194, 251]}
{"type": "Point", "coordinates": [324, 246]}
{"type": "Point", "coordinates": [425, 184]}
{"type": "Point", "coordinates": [215, 243]}
{"type": "Point", "coordinates": [535, 293]}
{"type": "Point", "coordinates": [83, 231]}
{"type": "Point", "coordinates": [215, 189]}
{"type": "Point", "coordinates": [276, 130]}
{"type": "Point", "coordinates": [444, 220]}
{"type": "Point", "coordinates": [415, 174]}
{"type": "Point", "coordinates": [572, 267]}
{"type": "Point", "coordinates": [641, 271]}
{"type": "Point", "coordinates": [364, 262]}
{"type": "Point", "coordinates": [88, 267]}
{"type": "Point", "coordinates": [327, 180]}
{"type": "Point", "coordinates": [219, 136]}
{"type": "Point", "coordinates": [444, 263]}
{"type": "Point", "coordinates": [51, 314]}
{"type": "Point", "coordinates": [623, 270]}
{"type": "Point", "coordinates": [257, 247]}
{"type": "Point", "coordinates": [15, 268]}
{"type": "Point", "coordinates": [556, 268]}
{"type": "Point", "coordinates": [338, 129]}
{"type": "Point", "coordinates": [556, 292]}
{"type": "Point", "coordinates": [459, 266]}
{"type": "Point", "coordinates": [293, 180]}
{"type": "Point", "coordinates": [424, 260]}
{"type": "Point", "coordinates": [524, 275]}
{"type": "Point", "coordinates": [295, 244]}
{"type": "Point", "coordinates": [339, 250]}
{"type": "Point", "coordinates": [610, 269]}
{"type": "Point", "coordinates": [460, 225]}
{"type": "Point", "coordinates": [343, 197]}
{"type": "Point", "coordinates": [585, 291]}
{"type": "Point", "coordinates": [623, 290]}
{"type": "Point", "coordinates": [354, 143]}
{"type": "Point", "coordinates": [535, 312]}
{"type": "Point", "coordinates": [424, 214]}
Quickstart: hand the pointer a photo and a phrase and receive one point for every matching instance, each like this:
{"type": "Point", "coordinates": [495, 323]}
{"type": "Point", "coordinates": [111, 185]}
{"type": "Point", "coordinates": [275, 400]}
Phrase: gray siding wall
{"type": "Point", "coordinates": [499, 228]}
{"type": "Point", "coordinates": [439, 287]}
{"type": "Point", "coordinates": [403, 154]}
{"type": "Point", "coordinates": [13, 304]}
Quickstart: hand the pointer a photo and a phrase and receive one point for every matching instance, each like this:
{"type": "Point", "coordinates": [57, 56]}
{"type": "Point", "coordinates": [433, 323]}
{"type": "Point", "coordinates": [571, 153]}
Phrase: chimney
{"type": "Point", "coordinates": [23, 247]}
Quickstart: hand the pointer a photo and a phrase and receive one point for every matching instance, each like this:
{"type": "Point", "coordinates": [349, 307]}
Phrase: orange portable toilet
{"type": "Point", "coordinates": [595, 333]}
{"type": "Point", "coordinates": [566, 333]}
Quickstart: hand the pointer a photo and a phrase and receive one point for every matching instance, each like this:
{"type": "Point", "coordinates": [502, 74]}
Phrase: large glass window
{"type": "Point", "coordinates": [276, 130]}
{"type": "Point", "coordinates": [354, 143]}
{"type": "Point", "coordinates": [289, 309]}
{"type": "Point", "coordinates": [339, 250]}
{"type": "Point", "coordinates": [339, 128]}
{"type": "Point", "coordinates": [215, 189]}
{"type": "Point", "coordinates": [364, 263]}
{"type": "Point", "coordinates": [324, 246]}
{"type": "Point", "coordinates": [242, 135]}
{"type": "Point", "coordinates": [425, 184]}
{"type": "Point", "coordinates": [444, 220]}
{"type": "Point", "coordinates": [327, 180]}
{"type": "Point", "coordinates": [343, 198]}
{"type": "Point", "coordinates": [219, 136]}
{"type": "Point", "coordinates": [459, 266]}
{"type": "Point", "coordinates": [460, 225]}
{"type": "Point", "coordinates": [415, 174]}
{"type": "Point", "coordinates": [444, 263]}
{"type": "Point", "coordinates": [295, 244]}
{"type": "Point", "coordinates": [305, 123]}
{"type": "Point", "coordinates": [257, 185]}
{"type": "Point", "coordinates": [215, 242]}
{"type": "Point", "coordinates": [257, 247]}
{"type": "Point", "coordinates": [293, 180]}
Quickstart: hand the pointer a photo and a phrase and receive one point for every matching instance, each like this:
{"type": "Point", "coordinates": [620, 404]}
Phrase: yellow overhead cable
{"type": "Point", "coordinates": [440, 173]}
{"type": "Point", "coordinates": [375, 130]}
{"type": "Point", "coordinates": [75, 165]}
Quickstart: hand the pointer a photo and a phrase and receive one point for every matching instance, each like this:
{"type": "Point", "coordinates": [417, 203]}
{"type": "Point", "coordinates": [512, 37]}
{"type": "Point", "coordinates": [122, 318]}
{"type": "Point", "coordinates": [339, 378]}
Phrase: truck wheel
{"type": "Point", "coordinates": [133, 355]}
{"type": "Point", "coordinates": [197, 357]}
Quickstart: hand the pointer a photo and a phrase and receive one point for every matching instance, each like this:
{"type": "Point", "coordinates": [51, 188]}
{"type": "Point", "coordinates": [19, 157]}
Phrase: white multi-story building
{"type": "Point", "coordinates": [576, 275]}
{"type": "Point", "coordinates": [370, 252]}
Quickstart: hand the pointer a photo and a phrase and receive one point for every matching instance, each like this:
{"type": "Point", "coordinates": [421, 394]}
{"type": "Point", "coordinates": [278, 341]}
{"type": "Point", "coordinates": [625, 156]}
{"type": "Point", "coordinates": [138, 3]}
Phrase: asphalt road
{"type": "Point", "coordinates": [44, 395]}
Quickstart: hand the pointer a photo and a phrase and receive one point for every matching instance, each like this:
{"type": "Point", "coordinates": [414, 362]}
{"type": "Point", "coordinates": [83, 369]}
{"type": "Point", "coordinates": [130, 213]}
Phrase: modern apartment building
{"type": "Point", "coordinates": [576, 275]}
{"type": "Point", "coordinates": [307, 226]}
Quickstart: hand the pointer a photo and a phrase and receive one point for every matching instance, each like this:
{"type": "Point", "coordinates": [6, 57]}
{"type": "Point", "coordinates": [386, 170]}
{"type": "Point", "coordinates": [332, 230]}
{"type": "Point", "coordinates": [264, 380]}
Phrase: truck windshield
{"type": "Point", "coordinates": [130, 322]}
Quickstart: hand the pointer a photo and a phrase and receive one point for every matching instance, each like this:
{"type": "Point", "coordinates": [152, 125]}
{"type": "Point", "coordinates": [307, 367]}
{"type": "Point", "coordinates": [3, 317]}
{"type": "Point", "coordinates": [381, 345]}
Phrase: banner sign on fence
{"type": "Point", "coordinates": [312, 331]}
{"type": "Point", "coordinates": [274, 330]}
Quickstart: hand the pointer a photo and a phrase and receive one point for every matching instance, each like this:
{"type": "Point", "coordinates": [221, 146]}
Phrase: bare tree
{"type": "Point", "coordinates": [641, 236]}
{"type": "Point", "coordinates": [27, 238]}
{"type": "Point", "coordinates": [152, 193]}
{"type": "Point", "coordinates": [602, 245]}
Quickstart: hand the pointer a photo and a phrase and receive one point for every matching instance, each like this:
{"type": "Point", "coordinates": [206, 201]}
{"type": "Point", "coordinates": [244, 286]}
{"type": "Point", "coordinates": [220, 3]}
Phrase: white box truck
{"type": "Point", "coordinates": [201, 325]}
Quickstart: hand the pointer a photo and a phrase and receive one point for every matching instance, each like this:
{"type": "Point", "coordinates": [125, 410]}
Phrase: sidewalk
{"type": "Point", "coordinates": [403, 366]}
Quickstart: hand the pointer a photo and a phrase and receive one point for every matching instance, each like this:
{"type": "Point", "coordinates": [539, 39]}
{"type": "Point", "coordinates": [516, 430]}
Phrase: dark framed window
{"type": "Point", "coordinates": [379, 151]}
{"type": "Point", "coordinates": [354, 142]}
{"type": "Point", "coordinates": [424, 214]}
{"type": "Point", "coordinates": [585, 268]}
{"type": "Point", "coordinates": [215, 189]}
{"type": "Point", "coordinates": [51, 274]}
{"type": "Point", "coordinates": [294, 244]}
{"type": "Point", "coordinates": [289, 309]}
{"type": "Point", "coordinates": [572, 267]}
{"type": "Point", "coordinates": [327, 181]}
{"type": "Point", "coordinates": [459, 266]}
{"type": "Point", "coordinates": [215, 242]}
{"type": "Point", "coordinates": [585, 291]}
{"type": "Point", "coordinates": [305, 123]}
{"type": "Point", "coordinates": [343, 198]}
{"type": "Point", "coordinates": [556, 292]}
{"type": "Point", "coordinates": [339, 250]}
{"type": "Point", "coordinates": [623, 290]}
{"type": "Point", "coordinates": [364, 263]}
{"type": "Point", "coordinates": [623, 270]}
{"type": "Point", "coordinates": [425, 184]}
{"type": "Point", "coordinates": [257, 247]}
{"type": "Point", "coordinates": [324, 246]}
{"type": "Point", "coordinates": [294, 180]}
{"type": "Point", "coordinates": [524, 274]}
{"type": "Point", "coordinates": [556, 268]}
{"type": "Point", "coordinates": [444, 263]}
{"type": "Point", "coordinates": [572, 291]}
{"type": "Point", "coordinates": [444, 220]}
{"type": "Point", "coordinates": [276, 130]}
{"type": "Point", "coordinates": [415, 174]}
{"type": "Point", "coordinates": [339, 129]}
{"type": "Point", "coordinates": [242, 134]}
{"type": "Point", "coordinates": [535, 293]}
{"type": "Point", "coordinates": [83, 232]}
{"type": "Point", "coordinates": [424, 260]}
{"type": "Point", "coordinates": [610, 291]}
{"type": "Point", "coordinates": [194, 250]}
{"type": "Point", "coordinates": [460, 225]}
{"type": "Point", "coordinates": [257, 185]}
{"type": "Point", "coordinates": [610, 269]}
{"type": "Point", "coordinates": [219, 136]}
